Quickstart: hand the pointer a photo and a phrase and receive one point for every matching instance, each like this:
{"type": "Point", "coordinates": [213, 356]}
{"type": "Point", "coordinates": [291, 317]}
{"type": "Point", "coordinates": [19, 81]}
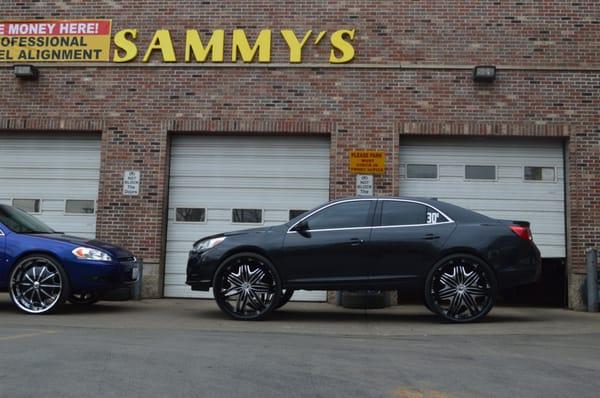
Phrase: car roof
{"type": "Point", "coordinates": [455, 212]}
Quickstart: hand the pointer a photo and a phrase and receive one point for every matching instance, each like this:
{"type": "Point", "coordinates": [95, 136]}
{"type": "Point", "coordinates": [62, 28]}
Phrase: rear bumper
{"type": "Point", "coordinates": [526, 271]}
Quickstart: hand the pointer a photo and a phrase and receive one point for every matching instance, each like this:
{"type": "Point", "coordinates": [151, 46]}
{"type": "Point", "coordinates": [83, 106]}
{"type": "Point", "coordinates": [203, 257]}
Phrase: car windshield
{"type": "Point", "coordinates": [21, 222]}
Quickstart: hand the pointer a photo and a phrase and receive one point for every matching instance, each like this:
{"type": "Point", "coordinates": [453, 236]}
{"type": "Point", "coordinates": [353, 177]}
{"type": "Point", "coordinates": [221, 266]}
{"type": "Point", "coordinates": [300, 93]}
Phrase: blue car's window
{"type": "Point", "coordinates": [21, 222]}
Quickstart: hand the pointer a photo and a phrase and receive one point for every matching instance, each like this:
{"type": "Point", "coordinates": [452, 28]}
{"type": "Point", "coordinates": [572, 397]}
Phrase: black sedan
{"type": "Point", "coordinates": [460, 258]}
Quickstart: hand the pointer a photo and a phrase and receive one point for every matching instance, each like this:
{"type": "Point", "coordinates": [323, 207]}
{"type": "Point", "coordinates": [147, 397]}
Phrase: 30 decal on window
{"type": "Point", "coordinates": [432, 218]}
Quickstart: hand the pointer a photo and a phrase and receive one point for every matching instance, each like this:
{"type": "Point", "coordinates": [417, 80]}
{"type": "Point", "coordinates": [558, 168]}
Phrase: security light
{"type": "Point", "coordinates": [25, 71]}
{"type": "Point", "coordinates": [484, 74]}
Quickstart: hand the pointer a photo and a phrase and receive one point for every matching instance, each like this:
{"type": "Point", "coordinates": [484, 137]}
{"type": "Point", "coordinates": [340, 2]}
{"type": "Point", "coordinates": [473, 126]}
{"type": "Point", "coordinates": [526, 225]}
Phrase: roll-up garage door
{"type": "Point", "coordinates": [54, 177]}
{"type": "Point", "coordinates": [505, 178]}
{"type": "Point", "coordinates": [220, 184]}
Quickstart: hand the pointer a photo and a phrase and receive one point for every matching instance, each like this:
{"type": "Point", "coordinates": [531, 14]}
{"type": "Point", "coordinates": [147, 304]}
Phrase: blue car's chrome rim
{"type": "Point", "coordinates": [461, 289]}
{"type": "Point", "coordinates": [36, 285]}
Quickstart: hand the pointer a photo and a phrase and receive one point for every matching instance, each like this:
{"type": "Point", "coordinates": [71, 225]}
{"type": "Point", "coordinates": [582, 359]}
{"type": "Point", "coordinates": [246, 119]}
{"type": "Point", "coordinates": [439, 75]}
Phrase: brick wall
{"type": "Point", "coordinates": [549, 86]}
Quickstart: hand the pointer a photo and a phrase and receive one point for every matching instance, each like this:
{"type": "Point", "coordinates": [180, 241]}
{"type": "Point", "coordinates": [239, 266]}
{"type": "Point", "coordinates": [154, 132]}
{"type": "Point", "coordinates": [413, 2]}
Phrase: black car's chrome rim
{"type": "Point", "coordinates": [36, 285]}
{"type": "Point", "coordinates": [247, 287]}
{"type": "Point", "coordinates": [461, 289]}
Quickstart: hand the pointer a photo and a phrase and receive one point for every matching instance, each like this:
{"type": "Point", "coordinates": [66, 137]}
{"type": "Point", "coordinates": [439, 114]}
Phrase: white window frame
{"type": "Point", "coordinates": [480, 179]}
{"type": "Point", "coordinates": [12, 203]}
{"type": "Point", "coordinates": [80, 214]}
{"type": "Point", "coordinates": [190, 222]}
{"type": "Point", "coordinates": [437, 172]}
{"type": "Point", "coordinates": [262, 216]}
{"type": "Point", "coordinates": [541, 181]}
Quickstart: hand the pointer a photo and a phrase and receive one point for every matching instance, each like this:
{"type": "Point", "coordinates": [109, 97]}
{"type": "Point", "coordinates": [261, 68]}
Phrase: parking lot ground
{"type": "Point", "coordinates": [177, 348]}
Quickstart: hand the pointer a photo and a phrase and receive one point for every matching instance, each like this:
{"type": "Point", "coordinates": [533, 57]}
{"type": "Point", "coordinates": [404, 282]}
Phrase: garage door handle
{"type": "Point", "coordinates": [430, 237]}
{"type": "Point", "coordinates": [356, 242]}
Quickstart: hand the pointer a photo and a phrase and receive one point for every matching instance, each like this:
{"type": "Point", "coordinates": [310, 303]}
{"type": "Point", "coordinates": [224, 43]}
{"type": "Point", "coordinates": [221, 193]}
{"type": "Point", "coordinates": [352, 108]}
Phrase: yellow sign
{"type": "Point", "coordinates": [367, 162]}
{"type": "Point", "coordinates": [90, 40]}
{"type": "Point", "coordinates": [55, 41]}
{"type": "Point", "coordinates": [243, 48]}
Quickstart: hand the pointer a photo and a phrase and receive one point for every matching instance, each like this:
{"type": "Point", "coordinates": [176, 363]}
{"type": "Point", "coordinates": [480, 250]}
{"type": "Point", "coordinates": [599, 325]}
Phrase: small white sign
{"type": "Point", "coordinates": [131, 183]}
{"type": "Point", "coordinates": [364, 185]}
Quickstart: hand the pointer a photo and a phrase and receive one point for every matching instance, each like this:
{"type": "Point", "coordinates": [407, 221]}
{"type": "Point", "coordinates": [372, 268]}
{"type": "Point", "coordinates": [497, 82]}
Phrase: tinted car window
{"type": "Point", "coordinates": [403, 213]}
{"type": "Point", "coordinates": [343, 215]}
{"type": "Point", "coordinates": [21, 222]}
{"type": "Point", "coordinates": [434, 217]}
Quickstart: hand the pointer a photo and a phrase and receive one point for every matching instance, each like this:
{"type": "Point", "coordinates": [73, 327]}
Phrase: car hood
{"type": "Point", "coordinates": [259, 230]}
{"type": "Point", "coordinates": [113, 250]}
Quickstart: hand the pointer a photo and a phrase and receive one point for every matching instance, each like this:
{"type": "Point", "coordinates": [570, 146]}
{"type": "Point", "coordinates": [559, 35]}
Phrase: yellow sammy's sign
{"type": "Point", "coordinates": [90, 41]}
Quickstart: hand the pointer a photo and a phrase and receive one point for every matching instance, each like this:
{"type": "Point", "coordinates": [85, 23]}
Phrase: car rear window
{"type": "Point", "coordinates": [409, 213]}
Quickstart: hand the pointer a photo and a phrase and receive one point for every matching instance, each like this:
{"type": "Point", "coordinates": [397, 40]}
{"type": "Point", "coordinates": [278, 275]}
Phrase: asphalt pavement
{"type": "Point", "coordinates": [188, 348]}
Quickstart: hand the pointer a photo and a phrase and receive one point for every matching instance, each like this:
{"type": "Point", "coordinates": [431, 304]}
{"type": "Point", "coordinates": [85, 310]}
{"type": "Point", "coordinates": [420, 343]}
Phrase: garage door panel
{"type": "Point", "coordinates": [245, 182]}
{"type": "Point", "coordinates": [507, 197]}
{"type": "Point", "coordinates": [247, 198]}
{"type": "Point", "coordinates": [494, 204]}
{"type": "Point", "coordinates": [53, 169]}
{"type": "Point", "coordinates": [274, 174]}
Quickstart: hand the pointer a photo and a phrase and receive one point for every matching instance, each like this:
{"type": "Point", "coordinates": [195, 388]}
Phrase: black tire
{"type": "Point", "coordinates": [461, 288]}
{"type": "Point", "coordinates": [247, 287]}
{"type": "Point", "coordinates": [38, 284]}
{"type": "Point", "coordinates": [285, 297]}
{"type": "Point", "coordinates": [426, 304]}
{"type": "Point", "coordinates": [83, 298]}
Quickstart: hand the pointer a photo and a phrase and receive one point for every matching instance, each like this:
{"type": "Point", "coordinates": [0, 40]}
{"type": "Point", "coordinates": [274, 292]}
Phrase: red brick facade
{"type": "Point", "coordinates": [412, 75]}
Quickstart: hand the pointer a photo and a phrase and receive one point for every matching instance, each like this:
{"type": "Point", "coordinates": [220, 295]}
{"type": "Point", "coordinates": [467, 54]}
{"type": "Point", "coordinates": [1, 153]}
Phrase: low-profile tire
{"type": "Point", "coordinates": [84, 298]}
{"type": "Point", "coordinates": [461, 288]}
{"type": "Point", "coordinates": [286, 296]}
{"type": "Point", "coordinates": [247, 287]}
{"type": "Point", "coordinates": [38, 284]}
{"type": "Point", "coordinates": [426, 304]}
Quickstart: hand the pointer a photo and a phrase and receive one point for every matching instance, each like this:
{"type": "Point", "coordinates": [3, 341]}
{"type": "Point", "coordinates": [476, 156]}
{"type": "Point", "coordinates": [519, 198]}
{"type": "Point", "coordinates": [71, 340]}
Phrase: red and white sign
{"type": "Point", "coordinates": [55, 28]}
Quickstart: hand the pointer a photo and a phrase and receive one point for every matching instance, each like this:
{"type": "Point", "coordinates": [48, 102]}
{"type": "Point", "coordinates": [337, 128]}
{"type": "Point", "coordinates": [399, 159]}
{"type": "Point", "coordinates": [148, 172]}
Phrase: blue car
{"type": "Point", "coordinates": [42, 268]}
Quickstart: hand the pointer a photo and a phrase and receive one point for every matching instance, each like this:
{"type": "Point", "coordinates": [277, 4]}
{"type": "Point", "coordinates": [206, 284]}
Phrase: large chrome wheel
{"type": "Point", "coordinates": [38, 284]}
{"type": "Point", "coordinates": [246, 286]}
{"type": "Point", "coordinates": [83, 298]}
{"type": "Point", "coordinates": [461, 288]}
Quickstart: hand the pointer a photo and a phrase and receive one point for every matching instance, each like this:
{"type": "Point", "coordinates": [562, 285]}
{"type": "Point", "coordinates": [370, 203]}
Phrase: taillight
{"type": "Point", "coordinates": [522, 232]}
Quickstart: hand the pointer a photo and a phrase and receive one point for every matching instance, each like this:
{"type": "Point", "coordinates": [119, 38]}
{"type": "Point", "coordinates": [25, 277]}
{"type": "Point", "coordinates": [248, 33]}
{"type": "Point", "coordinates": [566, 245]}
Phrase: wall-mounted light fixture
{"type": "Point", "coordinates": [484, 74]}
{"type": "Point", "coordinates": [26, 72]}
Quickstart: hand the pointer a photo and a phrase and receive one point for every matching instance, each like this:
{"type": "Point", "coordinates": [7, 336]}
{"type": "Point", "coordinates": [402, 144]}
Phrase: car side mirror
{"type": "Point", "coordinates": [302, 228]}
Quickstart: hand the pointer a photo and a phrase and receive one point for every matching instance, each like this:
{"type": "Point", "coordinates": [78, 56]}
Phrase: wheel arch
{"type": "Point", "coordinates": [31, 253]}
{"type": "Point", "coordinates": [249, 249]}
{"type": "Point", "coordinates": [457, 251]}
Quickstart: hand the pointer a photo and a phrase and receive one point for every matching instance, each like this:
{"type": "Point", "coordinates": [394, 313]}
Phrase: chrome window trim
{"type": "Point", "coordinates": [450, 220]}
{"type": "Point", "coordinates": [325, 207]}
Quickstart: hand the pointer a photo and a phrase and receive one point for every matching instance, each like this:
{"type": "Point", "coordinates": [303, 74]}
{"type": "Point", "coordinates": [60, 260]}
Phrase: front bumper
{"type": "Point", "coordinates": [128, 278]}
{"type": "Point", "coordinates": [113, 281]}
{"type": "Point", "coordinates": [201, 268]}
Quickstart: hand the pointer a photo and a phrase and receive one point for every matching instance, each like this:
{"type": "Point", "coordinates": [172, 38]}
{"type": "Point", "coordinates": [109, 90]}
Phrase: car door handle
{"type": "Point", "coordinates": [430, 237]}
{"type": "Point", "coordinates": [356, 242]}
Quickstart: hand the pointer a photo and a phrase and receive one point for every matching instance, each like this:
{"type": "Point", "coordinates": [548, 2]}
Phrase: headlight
{"type": "Point", "coordinates": [86, 253]}
{"type": "Point", "coordinates": [208, 243]}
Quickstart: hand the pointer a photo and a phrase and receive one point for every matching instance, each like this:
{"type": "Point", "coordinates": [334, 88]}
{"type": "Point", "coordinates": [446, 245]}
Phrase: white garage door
{"type": "Point", "coordinates": [256, 180]}
{"type": "Point", "coordinates": [518, 179]}
{"type": "Point", "coordinates": [54, 177]}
